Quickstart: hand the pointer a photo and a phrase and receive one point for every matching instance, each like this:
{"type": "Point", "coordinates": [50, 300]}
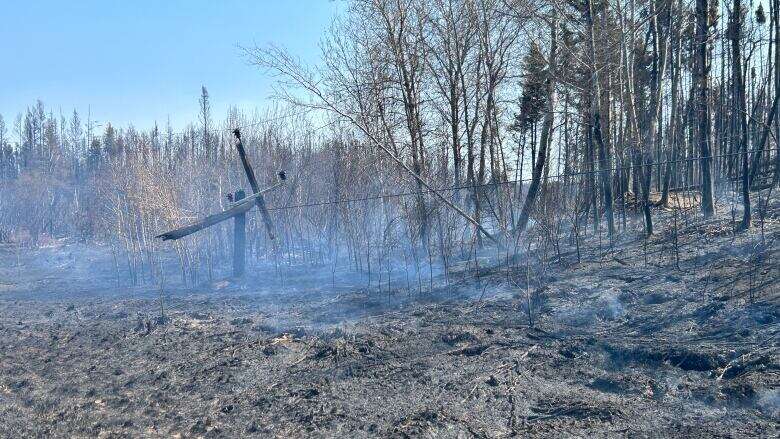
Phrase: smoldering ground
{"type": "Point", "coordinates": [619, 344]}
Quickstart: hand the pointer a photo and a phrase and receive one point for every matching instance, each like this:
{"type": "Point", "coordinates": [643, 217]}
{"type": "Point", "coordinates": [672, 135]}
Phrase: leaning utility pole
{"type": "Point", "coordinates": [237, 211]}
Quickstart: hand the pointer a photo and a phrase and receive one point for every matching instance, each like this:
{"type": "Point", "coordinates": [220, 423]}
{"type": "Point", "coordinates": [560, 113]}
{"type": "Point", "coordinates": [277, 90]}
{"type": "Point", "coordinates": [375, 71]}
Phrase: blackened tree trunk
{"type": "Point", "coordinates": [545, 138]}
{"type": "Point", "coordinates": [644, 171]}
{"type": "Point", "coordinates": [597, 135]}
{"type": "Point", "coordinates": [740, 106]}
{"type": "Point", "coordinates": [776, 21]}
{"type": "Point", "coordinates": [674, 118]}
{"type": "Point", "coordinates": [702, 82]}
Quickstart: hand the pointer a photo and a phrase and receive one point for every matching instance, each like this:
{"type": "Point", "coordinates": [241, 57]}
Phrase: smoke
{"type": "Point", "coordinates": [609, 306]}
{"type": "Point", "coordinates": [589, 306]}
{"type": "Point", "coordinates": [769, 402]}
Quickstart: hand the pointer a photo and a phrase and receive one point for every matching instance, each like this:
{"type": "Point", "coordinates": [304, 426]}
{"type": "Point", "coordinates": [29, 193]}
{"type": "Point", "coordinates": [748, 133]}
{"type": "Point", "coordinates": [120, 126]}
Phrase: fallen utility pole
{"type": "Point", "coordinates": [237, 211]}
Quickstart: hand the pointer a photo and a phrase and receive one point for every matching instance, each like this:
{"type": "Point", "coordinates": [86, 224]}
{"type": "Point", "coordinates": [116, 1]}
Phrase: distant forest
{"type": "Point", "coordinates": [538, 120]}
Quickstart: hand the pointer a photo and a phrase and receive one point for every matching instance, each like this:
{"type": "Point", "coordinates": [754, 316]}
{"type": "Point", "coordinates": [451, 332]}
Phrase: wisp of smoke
{"type": "Point", "coordinates": [769, 402]}
{"type": "Point", "coordinates": [609, 305]}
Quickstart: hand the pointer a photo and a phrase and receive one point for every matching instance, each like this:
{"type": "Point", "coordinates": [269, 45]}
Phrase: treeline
{"type": "Point", "coordinates": [527, 119]}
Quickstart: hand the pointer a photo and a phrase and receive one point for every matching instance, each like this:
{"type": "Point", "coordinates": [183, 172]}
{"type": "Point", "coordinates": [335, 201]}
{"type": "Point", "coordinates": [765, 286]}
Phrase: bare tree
{"type": "Point", "coordinates": [702, 81]}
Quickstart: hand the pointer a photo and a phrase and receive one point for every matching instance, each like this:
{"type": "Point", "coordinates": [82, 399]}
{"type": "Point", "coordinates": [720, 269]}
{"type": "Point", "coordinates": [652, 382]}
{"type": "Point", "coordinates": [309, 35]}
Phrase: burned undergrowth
{"type": "Point", "coordinates": [617, 344]}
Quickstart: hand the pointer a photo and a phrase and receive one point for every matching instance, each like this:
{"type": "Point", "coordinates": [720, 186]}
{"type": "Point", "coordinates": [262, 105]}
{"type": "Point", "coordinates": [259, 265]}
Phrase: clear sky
{"type": "Point", "coordinates": [140, 61]}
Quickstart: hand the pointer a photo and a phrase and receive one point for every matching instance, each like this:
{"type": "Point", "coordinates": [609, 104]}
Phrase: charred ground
{"type": "Point", "coordinates": [622, 343]}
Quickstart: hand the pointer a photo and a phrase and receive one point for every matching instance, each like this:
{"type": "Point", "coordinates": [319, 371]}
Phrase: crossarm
{"type": "Point", "coordinates": [206, 222]}
{"type": "Point", "coordinates": [236, 208]}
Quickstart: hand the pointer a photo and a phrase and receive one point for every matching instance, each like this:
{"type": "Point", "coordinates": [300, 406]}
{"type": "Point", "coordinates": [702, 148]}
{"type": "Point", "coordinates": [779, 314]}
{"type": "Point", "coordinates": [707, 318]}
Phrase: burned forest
{"type": "Point", "coordinates": [466, 218]}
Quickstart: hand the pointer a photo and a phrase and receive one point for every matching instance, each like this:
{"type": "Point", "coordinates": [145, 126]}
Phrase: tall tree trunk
{"type": "Point", "coordinates": [546, 137]}
{"type": "Point", "coordinates": [644, 172]}
{"type": "Point", "coordinates": [776, 27]}
{"type": "Point", "coordinates": [740, 106]}
{"type": "Point", "coordinates": [755, 162]}
{"type": "Point", "coordinates": [702, 81]}
{"type": "Point", "coordinates": [595, 122]}
{"type": "Point", "coordinates": [674, 119]}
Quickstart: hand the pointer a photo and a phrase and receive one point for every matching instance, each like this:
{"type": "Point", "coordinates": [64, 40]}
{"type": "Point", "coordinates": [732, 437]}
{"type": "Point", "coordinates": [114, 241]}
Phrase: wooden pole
{"type": "Point", "coordinates": [205, 222]}
{"type": "Point", "coordinates": [236, 208]}
{"type": "Point", "coordinates": [250, 175]}
{"type": "Point", "coordinates": [239, 238]}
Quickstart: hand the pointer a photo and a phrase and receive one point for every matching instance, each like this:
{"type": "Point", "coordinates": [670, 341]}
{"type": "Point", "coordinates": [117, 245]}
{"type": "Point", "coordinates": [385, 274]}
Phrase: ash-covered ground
{"type": "Point", "coordinates": [624, 343]}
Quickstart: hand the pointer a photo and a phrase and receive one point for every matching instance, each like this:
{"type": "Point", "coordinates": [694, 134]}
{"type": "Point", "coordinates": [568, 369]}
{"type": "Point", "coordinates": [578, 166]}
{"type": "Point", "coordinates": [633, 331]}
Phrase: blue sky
{"type": "Point", "coordinates": [137, 61]}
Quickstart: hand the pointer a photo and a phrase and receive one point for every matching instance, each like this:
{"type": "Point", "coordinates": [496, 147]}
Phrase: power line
{"type": "Point", "coordinates": [500, 183]}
